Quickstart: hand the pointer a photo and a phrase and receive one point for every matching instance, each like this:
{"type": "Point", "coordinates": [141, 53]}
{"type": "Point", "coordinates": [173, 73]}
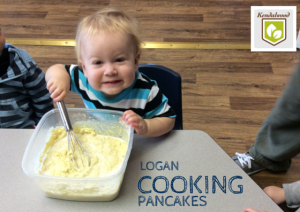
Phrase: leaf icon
{"type": "Point", "coordinates": [277, 34]}
{"type": "Point", "coordinates": [270, 29]}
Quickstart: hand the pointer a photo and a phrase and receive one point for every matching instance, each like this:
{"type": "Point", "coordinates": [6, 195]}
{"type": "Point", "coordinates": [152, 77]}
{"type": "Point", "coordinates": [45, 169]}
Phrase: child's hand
{"type": "Point", "coordinates": [58, 89]}
{"type": "Point", "coordinates": [58, 82]}
{"type": "Point", "coordinates": [148, 127]}
{"type": "Point", "coordinates": [251, 210]}
{"type": "Point", "coordinates": [276, 193]}
{"type": "Point", "coordinates": [136, 121]}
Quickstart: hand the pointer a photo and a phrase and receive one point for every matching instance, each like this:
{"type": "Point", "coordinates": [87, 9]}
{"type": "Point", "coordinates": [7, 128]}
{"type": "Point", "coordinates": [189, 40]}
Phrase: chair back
{"type": "Point", "coordinates": [169, 83]}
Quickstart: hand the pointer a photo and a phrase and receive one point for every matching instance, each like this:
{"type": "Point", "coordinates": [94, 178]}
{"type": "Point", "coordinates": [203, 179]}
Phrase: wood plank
{"type": "Point", "coordinates": [23, 6]}
{"type": "Point", "coordinates": [171, 17]}
{"type": "Point", "coordinates": [23, 14]}
{"type": "Point", "coordinates": [230, 137]}
{"type": "Point", "coordinates": [218, 115]}
{"type": "Point", "coordinates": [205, 102]}
{"type": "Point", "coordinates": [232, 56]}
{"type": "Point", "coordinates": [191, 3]}
{"type": "Point", "coordinates": [283, 68]}
{"type": "Point", "coordinates": [58, 2]}
{"type": "Point", "coordinates": [239, 84]}
{"type": "Point", "coordinates": [220, 67]}
{"type": "Point", "coordinates": [252, 103]}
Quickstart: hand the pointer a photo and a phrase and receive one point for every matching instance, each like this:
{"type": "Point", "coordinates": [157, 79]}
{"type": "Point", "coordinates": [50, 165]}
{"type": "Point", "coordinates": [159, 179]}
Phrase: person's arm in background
{"type": "Point", "coordinates": [251, 210]}
{"type": "Point", "coordinates": [276, 194]}
{"type": "Point", "coordinates": [289, 193]}
{"type": "Point", "coordinates": [36, 87]}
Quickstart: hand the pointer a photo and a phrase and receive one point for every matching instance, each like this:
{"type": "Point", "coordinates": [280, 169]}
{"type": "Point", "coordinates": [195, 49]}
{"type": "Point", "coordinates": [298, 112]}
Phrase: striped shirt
{"type": "Point", "coordinates": [24, 97]}
{"type": "Point", "coordinates": [142, 97]}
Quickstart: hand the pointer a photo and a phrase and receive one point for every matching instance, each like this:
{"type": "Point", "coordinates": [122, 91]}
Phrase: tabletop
{"type": "Point", "coordinates": [182, 170]}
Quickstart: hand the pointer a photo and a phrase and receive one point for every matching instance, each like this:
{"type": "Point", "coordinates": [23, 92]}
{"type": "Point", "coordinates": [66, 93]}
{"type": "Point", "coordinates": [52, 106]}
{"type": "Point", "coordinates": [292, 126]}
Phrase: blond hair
{"type": "Point", "coordinates": [106, 21]}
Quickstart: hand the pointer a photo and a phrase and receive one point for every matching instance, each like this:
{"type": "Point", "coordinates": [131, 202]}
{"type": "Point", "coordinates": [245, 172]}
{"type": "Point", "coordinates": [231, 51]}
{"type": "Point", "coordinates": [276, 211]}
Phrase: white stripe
{"type": "Point", "coordinates": [153, 92]}
{"type": "Point", "coordinates": [132, 103]}
{"type": "Point", "coordinates": [165, 109]}
{"type": "Point", "coordinates": [72, 67]}
{"type": "Point", "coordinates": [140, 77]}
{"type": "Point", "coordinates": [89, 93]}
{"type": "Point", "coordinates": [123, 104]}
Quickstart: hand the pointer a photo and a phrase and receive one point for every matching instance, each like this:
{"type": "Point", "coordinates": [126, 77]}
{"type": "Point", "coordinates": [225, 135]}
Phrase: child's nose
{"type": "Point", "coordinates": [110, 69]}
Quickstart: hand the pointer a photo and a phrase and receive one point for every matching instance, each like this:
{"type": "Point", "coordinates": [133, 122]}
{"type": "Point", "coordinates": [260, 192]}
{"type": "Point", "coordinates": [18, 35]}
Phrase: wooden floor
{"type": "Point", "coordinates": [226, 93]}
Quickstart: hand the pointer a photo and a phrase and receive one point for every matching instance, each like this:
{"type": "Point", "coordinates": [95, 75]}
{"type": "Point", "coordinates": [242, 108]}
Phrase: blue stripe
{"type": "Point", "coordinates": [119, 97]}
{"type": "Point", "coordinates": [38, 79]}
{"type": "Point", "coordinates": [14, 83]}
{"type": "Point", "coordinates": [138, 94]}
{"type": "Point", "coordinates": [89, 104]}
{"type": "Point", "coordinates": [98, 94]}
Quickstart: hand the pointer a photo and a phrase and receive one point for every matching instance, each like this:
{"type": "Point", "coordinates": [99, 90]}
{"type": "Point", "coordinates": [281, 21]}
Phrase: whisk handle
{"type": "Point", "coordinates": [64, 115]}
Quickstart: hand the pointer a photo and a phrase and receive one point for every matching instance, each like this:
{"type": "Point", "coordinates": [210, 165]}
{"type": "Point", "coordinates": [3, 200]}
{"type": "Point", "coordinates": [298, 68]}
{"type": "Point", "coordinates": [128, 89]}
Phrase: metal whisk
{"type": "Point", "coordinates": [78, 156]}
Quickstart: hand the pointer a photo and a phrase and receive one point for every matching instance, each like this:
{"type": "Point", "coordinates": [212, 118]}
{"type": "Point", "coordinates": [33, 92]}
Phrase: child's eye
{"type": "Point", "coordinates": [98, 62]}
{"type": "Point", "coordinates": [120, 60]}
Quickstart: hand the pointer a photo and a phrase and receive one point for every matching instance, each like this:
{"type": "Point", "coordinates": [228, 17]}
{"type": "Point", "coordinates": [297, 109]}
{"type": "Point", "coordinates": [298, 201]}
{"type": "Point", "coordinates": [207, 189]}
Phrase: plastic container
{"type": "Point", "coordinates": [105, 122]}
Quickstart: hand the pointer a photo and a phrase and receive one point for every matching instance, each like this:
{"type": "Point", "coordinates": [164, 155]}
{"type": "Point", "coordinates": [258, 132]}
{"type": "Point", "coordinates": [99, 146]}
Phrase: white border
{"type": "Point", "coordinates": [293, 48]}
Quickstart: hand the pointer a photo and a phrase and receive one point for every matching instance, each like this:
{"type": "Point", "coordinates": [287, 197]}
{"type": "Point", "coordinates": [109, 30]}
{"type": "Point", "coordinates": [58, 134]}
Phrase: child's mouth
{"type": "Point", "coordinates": [112, 82]}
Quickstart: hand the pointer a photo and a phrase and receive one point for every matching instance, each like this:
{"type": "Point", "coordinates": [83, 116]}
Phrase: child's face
{"type": "Point", "coordinates": [109, 62]}
{"type": "Point", "coordinates": [2, 40]}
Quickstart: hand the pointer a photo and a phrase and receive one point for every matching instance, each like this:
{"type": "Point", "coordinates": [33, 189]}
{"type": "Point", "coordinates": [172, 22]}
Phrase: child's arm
{"type": "Point", "coordinates": [149, 127]}
{"type": "Point", "coordinates": [276, 193]}
{"type": "Point", "coordinates": [58, 82]}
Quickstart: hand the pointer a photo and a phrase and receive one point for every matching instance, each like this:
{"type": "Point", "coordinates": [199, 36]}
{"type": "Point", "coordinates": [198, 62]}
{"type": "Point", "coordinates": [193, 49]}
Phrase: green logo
{"type": "Point", "coordinates": [274, 30]}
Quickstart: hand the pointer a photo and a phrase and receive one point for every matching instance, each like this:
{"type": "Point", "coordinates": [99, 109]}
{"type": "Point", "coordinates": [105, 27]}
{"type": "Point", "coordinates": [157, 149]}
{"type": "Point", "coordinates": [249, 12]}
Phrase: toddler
{"type": "Point", "coordinates": [24, 96]}
{"type": "Point", "coordinates": [107, 76]}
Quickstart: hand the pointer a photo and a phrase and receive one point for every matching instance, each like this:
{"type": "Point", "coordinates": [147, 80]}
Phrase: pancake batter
{"type": "Point", "coordinates": [106, 153]}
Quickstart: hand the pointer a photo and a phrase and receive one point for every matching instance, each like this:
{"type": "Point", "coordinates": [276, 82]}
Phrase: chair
{"type": "Point", "coordinates": [169, 83]}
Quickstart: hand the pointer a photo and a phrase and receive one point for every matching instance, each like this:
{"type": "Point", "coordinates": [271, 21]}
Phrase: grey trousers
{"type": "Point", "coordinates": [278, 140]}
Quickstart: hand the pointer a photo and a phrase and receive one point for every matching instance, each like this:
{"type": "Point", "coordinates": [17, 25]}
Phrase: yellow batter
{"type": "Point", "coordinates": [107, 154]}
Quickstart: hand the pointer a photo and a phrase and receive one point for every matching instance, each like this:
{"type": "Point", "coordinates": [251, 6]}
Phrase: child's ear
{"type": "Point", "coordinates": [136, 61]}
{"type": "Point", "coordinates": [81, 64]}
